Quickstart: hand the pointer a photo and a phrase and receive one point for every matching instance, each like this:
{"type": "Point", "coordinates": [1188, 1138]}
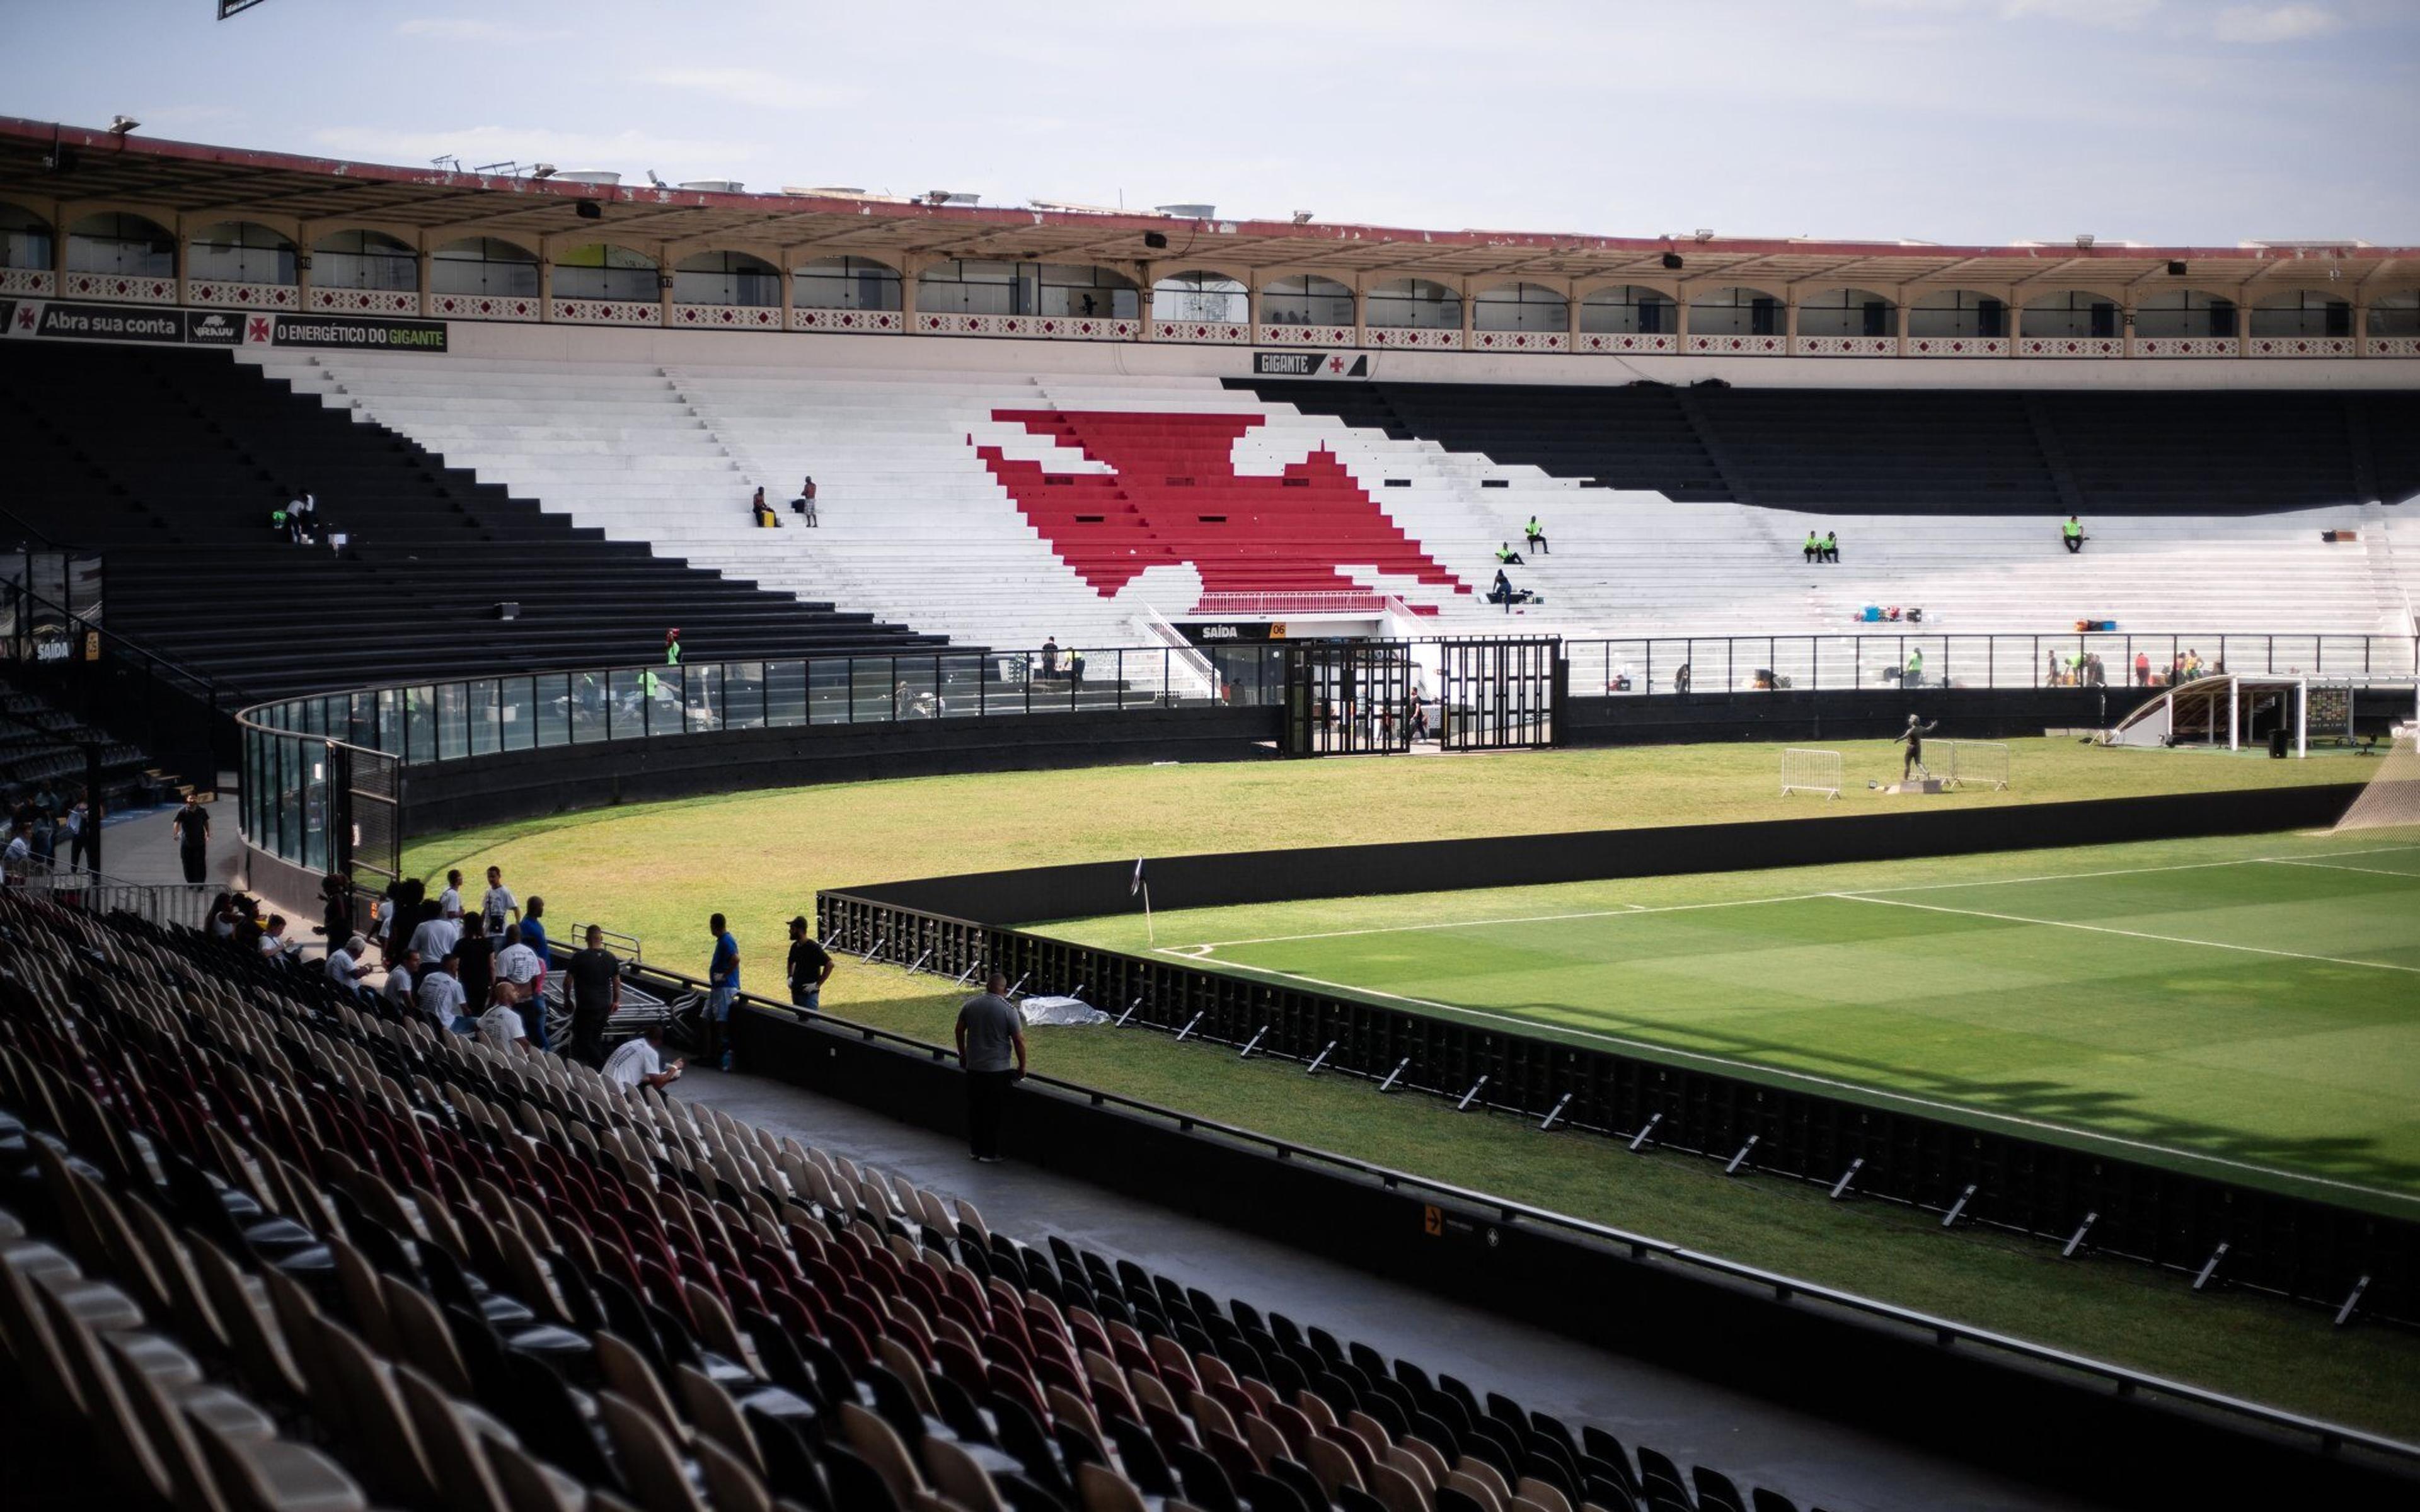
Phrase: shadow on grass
{"type": "Point", "coordinates": [2085, 1110]}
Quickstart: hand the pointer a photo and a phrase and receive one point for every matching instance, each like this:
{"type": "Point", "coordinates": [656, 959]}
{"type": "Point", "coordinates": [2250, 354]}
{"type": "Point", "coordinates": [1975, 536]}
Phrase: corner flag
{"type": "Point", "coordinates": [1141, 884]}
{"type": "Point", "coordinates": [1136, 886]}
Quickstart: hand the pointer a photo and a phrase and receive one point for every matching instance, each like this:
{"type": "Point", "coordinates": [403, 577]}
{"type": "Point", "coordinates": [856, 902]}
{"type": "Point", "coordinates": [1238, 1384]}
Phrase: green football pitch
{"type": "Point", "coordinates": [2247, 1007]}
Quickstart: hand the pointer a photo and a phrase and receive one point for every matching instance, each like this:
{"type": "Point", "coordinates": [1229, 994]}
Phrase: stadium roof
{"type": "Point", "coordinates": [54, 169]}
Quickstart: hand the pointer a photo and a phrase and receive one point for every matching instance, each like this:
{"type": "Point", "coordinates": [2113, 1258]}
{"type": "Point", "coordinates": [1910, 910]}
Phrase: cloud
{"type": "Point", "coordinates": [2116, 15]}
{"type": "Point", "coordinates": [2256, 24]}
{"type": "Point", "coordinates": [462, 29]}
{"type": "Point", "coordinates": [760, 87]}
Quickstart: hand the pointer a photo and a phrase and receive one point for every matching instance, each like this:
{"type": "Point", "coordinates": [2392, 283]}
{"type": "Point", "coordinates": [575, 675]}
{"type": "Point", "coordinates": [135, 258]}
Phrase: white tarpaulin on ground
{"type": "Point", "coordinates": [1060, 1010]}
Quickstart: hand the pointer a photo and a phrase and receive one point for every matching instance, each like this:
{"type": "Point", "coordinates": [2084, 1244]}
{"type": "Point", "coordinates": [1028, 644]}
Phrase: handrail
{"type": "Point", "coordinates": [2330, 1437]}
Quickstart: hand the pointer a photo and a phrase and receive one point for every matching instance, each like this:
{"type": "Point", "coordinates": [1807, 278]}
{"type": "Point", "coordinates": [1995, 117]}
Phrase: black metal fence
{"type": "Point", "coordinates": [2081, 1197]}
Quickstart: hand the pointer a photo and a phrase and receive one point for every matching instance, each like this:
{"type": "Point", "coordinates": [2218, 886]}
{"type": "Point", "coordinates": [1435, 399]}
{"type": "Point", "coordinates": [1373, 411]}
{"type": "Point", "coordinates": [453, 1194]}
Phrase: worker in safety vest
{"type": "Point", "coordinates": [2073, 532]}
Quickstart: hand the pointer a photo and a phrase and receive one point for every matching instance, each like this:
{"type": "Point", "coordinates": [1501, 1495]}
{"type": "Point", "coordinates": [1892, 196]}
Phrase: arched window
{"type": "Point", "coordinates": [1626, 309]}
{"type": "Point", "coordinates": [2186, 312]}
{"type": "Point", "coordinates": [1520, 307]}
{"type": "Point", "coordinates": [725, 278]}
{"type": "Point", "coordinates": [1958, 312]}
{"type": "Point", "coordinates": [602, 271]}
{"type": "Point", "coordinates": [1308, 300]}
{"type": "Point", "coordinates": [968, 287]}
{"type": "Point", "coordinates": [128, 245]}
{"type": "Point", "coordinates": [2077, 312]}
{"type": "Point", "coordinates": [24, 238]}
{"type": "Point", "coordinates": [484, 265]}
{"type": "Point", "coordinates": [1846, 312]}
{"type": "Point", "coordinates": [1065, 289]}
{"type": "Point", "coordinates": [1199, 296]}
{"type": "Point", "coordinates": [363, 260]}
{"type": "Point", "coordinates": [1413, 303]}
{"type": "Point", "coordinates": [1735, 311]}
{"type": "Point", "coordinates": [244, 252]}
{"type": "Point", "coordinates": [2395, 315]}
{"type": "Point", "coordinates": [2309, 313]}
{"type": "Point", "coordinates": [845, 283]}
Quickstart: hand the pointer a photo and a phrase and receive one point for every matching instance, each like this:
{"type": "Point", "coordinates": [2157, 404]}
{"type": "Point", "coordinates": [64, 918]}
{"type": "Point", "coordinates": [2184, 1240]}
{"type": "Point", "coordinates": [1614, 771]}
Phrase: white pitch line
{"type": "Point", "coordinates": [2130, 934]}
{"type": "Point", "coordinates": [1626, 910]}
{"type": "Point", "coordinates": [1861, 1088]}
{"type": "Point", "coordinates": [2332, 866]}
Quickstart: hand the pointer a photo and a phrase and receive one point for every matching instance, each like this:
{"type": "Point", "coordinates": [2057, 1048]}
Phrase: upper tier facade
{"type": "Point", "coordinates": [86, 215]}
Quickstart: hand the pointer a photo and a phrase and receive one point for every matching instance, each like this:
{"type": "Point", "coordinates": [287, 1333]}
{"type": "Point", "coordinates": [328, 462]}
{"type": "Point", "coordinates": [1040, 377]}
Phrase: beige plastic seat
{"type": "Point", "coordinates": [626, 1371]}
{"type": "Point", "coordinates": [718, 1417]}
{"type": "Point", "coordinates": [1331, 1466]}
{"type": "Point", "coordinates": [1549, 1496]}
{"type": "Point", "coordinates": [422, 1338]}
{"type": "Point", "coordinates": [530, 1485]}
{"type": "Point", "coordinates": [729, 1482]}
{"type": "Point", "coordinates": [1477, 1489]}
{"type": "Point", "coordinates": [455, 1458]}
{"type": "Point", "coordinates": [959, 1478]}
{"type": "Point", "coordinates": [1486, 1475]}
{"type": "Point", "coordinates": [1100, 1489]}
{"type": "Point", "coordinates": [651, 1464]}
{"type": "Point", "coordinates": [379, 1421]}
{"type": "Point", "coordinates": [259, 1351]}
{"type": "Point", "coordinates": [878, 1446]}
{"type": "Point", "coordinates": [279, 1476]}
{"type": "Point", "coordinates": [1398, 1490]}
{"type": "Point", "coordinates": [1429, 1457]}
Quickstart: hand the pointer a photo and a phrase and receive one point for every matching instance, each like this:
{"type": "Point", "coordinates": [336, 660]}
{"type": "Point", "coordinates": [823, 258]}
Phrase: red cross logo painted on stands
{"type": "Point", "coordinates": [1336, 365]}
{"type": "Point", "coordinates": [1171, 495]}
{"type": "Point", "coordinates": [25, 317]}
{"type": "Point", "coordinates": [256, 329]}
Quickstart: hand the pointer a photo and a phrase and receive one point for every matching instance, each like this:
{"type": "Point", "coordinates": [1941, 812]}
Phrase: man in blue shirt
{"type": "Point", "coordinates": [533, 935]}
{"type": "Point", "coordinates": [722, 982]}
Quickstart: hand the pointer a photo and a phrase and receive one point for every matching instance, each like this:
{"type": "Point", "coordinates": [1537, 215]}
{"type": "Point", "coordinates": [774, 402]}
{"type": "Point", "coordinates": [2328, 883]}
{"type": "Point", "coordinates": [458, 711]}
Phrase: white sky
{"type": "Point", "coordinates": [2173, 122]}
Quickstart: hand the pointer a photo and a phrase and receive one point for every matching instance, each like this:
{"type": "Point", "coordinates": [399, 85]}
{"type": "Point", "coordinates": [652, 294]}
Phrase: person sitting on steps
{"type": "Point", "coordinates": [1535, 537]}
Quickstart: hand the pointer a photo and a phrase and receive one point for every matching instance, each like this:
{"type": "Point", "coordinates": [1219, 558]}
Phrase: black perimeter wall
{"type": "Point", "coordinates": [1895, 1147]}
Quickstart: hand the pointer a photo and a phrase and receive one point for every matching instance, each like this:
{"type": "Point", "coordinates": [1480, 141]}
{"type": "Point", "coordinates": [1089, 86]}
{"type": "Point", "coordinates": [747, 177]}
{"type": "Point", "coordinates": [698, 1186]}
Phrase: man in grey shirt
{"type": "Point", "coordinates": [991, 1051]}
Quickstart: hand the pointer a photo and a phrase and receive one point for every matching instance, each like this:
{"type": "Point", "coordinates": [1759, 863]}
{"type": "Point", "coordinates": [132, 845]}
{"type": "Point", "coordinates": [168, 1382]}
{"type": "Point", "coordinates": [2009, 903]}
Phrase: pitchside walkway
{"type": "Point", "coordinates": [1817, 1462]}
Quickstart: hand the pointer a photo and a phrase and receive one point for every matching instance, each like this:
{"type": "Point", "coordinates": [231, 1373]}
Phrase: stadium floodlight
{"type": "Point", "coordinates": [1703, 233]}
{"type": "Point", "coordinates": [544, 170]}
{"type": "Point", "coordinates": [121, 125]}
{"type": "Point", "coordinates": [653, 180]}
{"type": "Point", "coordinates": [2084, 242]}
{"type": "Point", "coordinates": [1302, 217]}
{"type": "Point", "coordinates": [229, 8]}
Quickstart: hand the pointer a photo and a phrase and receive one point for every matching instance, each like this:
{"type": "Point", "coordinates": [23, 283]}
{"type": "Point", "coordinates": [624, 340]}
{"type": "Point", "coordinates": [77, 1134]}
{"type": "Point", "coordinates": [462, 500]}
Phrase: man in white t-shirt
{"type": "Point", "coordinates": [640, 1062]}
{"type": "Point", "coordinates": [272, 940]}
{"type": "Point", "coordinates": [499, 1026]}
{"type": "Point", "coordinates": [517, 962]}
{"type": "Point", "coordinates": [345, 968]}
{"type": "Point", "coordinates": [439, 993]}
{"type": "Point", "coordinates": [402, 980]}
{"type": "Point", "coordinates": [435, 939]}
{"type": "Point", "coordinates": [499, 903]}
{"type": "Point", "coordinates": [449, 903]}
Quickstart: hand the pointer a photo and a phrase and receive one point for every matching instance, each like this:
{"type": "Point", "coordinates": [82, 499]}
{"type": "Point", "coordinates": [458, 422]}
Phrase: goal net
{"type": "Point", "coordinates": [1811, 771]}
{"type": "Point", "coordinates": [1978, 762]}
{"type": "Point", "coordinates": [2392, 795]}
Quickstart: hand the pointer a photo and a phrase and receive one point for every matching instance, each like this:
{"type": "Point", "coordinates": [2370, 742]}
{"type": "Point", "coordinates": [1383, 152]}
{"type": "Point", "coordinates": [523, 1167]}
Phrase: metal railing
{"type": "Point", "coordinates": [185, 903]}
{"type": "Point", "coordinates": [1790, 1291]}
{"type": "Point", "coordinates": [1912, 655]}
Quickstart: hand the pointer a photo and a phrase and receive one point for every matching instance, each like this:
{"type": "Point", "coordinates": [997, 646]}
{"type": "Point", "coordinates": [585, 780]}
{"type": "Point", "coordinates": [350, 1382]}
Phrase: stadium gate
{"type": "Point", "coordinates": [1348, 698]}
{"type": "Point", "coordinates": [1501, 695]}
{"type": "Point", "coordinates": [367, 826]}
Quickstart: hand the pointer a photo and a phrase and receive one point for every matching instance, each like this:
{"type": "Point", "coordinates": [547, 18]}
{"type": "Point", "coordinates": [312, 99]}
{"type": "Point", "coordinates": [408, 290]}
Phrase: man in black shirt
{"type": "Point", "coordinates": [811, 966]}
{"type": "Point", "coordinates": [475, 963]}
{"type": "Point", "coordinates": [595, 996]}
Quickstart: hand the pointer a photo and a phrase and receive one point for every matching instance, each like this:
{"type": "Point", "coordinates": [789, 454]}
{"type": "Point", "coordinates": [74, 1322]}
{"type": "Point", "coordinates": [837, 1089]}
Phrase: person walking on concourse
{"type": "Point", "coordinates": [991, 1051]}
